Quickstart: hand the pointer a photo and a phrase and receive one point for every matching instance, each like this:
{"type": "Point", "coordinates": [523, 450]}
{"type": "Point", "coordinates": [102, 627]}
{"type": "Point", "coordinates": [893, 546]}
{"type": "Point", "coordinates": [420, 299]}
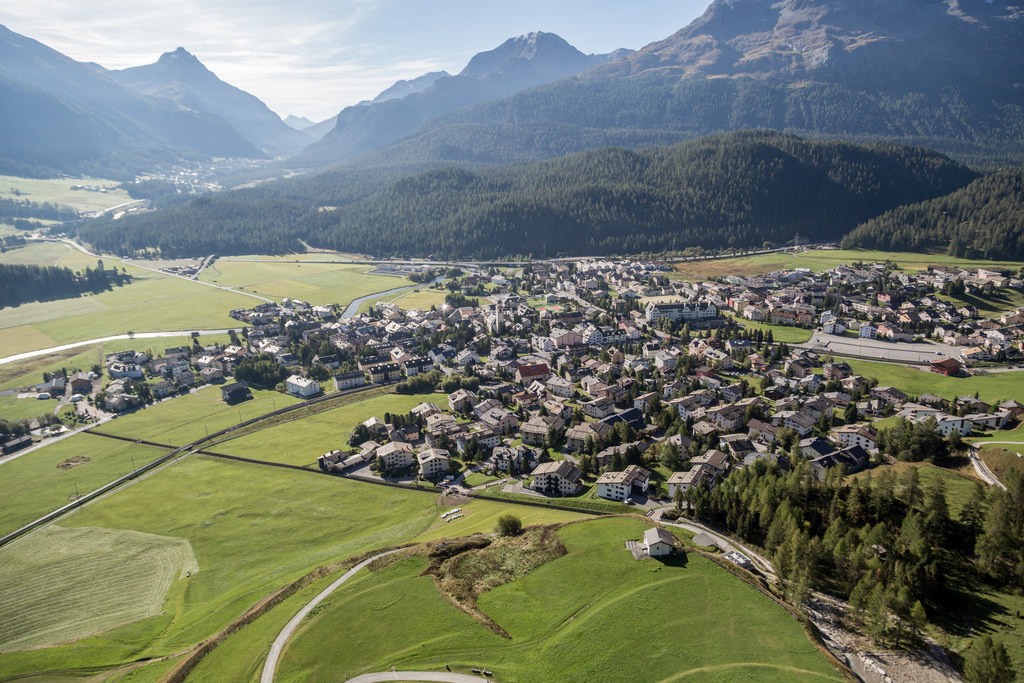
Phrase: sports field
{"type": "Point", "coordinates": [595, 614]}
{"type": "Point", "coordinates": [315, 283]}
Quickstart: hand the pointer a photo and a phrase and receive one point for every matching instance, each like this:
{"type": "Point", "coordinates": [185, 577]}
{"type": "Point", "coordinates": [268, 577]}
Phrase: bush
{"type": "Point", "coordinates": [509, 525]}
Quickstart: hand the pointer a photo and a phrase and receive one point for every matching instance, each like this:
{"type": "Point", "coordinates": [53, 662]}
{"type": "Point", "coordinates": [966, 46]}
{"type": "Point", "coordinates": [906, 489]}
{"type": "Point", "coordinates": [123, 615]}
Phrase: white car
{"type": "Point", "coordinates": [76, 398]}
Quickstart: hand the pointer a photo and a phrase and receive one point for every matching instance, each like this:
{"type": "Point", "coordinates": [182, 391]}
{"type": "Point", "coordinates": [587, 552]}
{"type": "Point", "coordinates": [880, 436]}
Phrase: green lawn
{"type": "Point", "coordinates": [316, 283]}
{"type": "Point", "coordinates": [15, 409]}
{"type": "Point", "coordinates": [593, 615]}
{"type": "Point", "coordinates": [481, 516]}
{"type": "Point", "coordinates": [58, 191]}
{"type": "Point", "coordinates": [821, 260]}
{"type": "Point", "coordinates": [321, 432]}
{"type": "Point", "coordinates": [421, 299]}
{"type": "Point", "coordinates": [996, 387]}
{"type": "Point", "coordinates": [184, 419]}
{"type": "Point", "coordinates": [253, 529]}
{"type": "Point", "coordinates": [781, 333]}
{"type": "Point", "coordinates": [36, 483]}
{"type": "Point", "coordinates": [151, 303]}
{"type": "Point", "coordinates": [1001, 301]}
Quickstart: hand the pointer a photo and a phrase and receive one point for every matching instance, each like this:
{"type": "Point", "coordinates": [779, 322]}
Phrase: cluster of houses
{"type": "Point", "coordinates": [557, 375]}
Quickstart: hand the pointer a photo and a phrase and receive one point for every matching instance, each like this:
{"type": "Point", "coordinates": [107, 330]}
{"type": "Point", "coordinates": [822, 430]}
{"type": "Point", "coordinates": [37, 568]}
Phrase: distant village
{"type": "Point", "coordinates": [609, 377]}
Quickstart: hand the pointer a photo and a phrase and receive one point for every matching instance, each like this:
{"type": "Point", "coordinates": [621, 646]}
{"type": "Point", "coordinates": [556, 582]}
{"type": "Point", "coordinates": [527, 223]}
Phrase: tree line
{"type": "Point", "coordinates": [21, 284]}
{"type": "Point", "coordinates": [734, 190]}
{"type": "Point", "coordinates": [985, 219]}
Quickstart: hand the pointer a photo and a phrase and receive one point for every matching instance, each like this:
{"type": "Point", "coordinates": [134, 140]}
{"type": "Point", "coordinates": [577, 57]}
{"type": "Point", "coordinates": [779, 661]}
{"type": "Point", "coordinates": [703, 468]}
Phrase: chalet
{"type": "Point", "coordinates": [599, 408]}
{"type": "Point", "coordinates": [621, 485]}
{"type": "Point", "coordinates": [434, 463]}
{"type": "Point", "coordinates": [235, 392]}
{"type": "Point", "coordinates": [395, 456]}
{"type": "Point", "coordinates": [534, 432]}
{"type": "Point", "coordinates": [80, 383]}
{"type": "Point", "coordinates": [556, 478]}
{"type": "Point", "coordinates": [698, 475]}
{"type": "Point", "coordinates": [525, 374]}
{"type": "Point", "coordinates": [576, 438]}
{"type": "Point", "coordinates": [950, 367]}
{"type": "Point", "coordinates": [861, 435]}
{"type": "Point", "coordinates": [560, 387]}
{"type": "Point", "coordinates": [462, 401]}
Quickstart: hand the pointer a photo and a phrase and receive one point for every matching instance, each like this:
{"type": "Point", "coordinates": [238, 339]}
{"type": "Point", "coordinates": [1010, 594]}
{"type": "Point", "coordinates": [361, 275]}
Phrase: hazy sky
{"type": "Point", "coordinates": [313, 57]}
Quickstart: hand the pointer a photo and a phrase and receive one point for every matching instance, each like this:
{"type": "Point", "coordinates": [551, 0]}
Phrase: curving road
{"type": "Point", "coordinates": [443, 676]}
{"type": "Point", "coordinates": [270, 666]}
{"type": "Point", "coordinates": [986, 475]}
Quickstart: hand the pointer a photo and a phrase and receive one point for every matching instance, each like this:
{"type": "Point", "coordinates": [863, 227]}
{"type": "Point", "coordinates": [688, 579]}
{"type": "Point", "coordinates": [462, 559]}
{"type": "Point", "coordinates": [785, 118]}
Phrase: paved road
{"type": "Point", "coordinates": [726, 544]}
{"type": "Point", "coordinates": [270, 666]}
{"type": "Point", "coordinates": [444, 676]}
{"type": "Point", "coordinates": [987, 475]}
{"type": "Point", "coordinates": [100, 340]}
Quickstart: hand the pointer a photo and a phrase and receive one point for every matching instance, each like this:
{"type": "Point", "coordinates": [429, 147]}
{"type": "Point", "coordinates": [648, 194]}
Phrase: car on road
{"type": "Point", "coordinates": [76, 398]}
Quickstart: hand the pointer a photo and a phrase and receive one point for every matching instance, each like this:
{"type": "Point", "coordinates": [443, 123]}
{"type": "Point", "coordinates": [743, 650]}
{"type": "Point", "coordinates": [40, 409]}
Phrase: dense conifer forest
{"type": "Point", "coordinates": [21, 284]}
{"type": "Point", "coordinates": [744, 189]}
{"type": "Point", "coordinates": [983, 220]}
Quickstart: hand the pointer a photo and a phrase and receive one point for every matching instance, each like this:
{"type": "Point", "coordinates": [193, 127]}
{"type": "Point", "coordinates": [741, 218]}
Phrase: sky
{"type": "Point", "coordinates": [314, 57]}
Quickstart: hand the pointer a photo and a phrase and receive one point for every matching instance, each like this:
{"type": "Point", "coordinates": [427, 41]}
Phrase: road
{"type": "Point", "coordinates": [270, 666]}
{"type": "Point", "coordinates": [445, 676]}
{"type": "Point", "coordinates": [100, 340]}
{"type": "Point", "coordinates": [725, 544]}
{"type": "Point", "coordinates": [51, 440]}
{"type": "Point", "coordinates": [982, 469]}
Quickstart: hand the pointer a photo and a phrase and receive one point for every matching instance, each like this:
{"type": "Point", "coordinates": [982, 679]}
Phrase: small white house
{"type": "Point", "coordinates": [658, 542]}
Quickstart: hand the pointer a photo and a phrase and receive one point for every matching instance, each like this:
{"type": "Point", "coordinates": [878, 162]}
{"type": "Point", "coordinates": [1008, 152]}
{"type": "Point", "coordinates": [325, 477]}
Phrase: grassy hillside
{"type": "Point", "coordinates": [595, 614]}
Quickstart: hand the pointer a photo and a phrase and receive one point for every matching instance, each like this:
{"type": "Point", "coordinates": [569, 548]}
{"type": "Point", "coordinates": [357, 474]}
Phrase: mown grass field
{"type": "Point", "coordinates": [593, 615]}
{"type": "Point", "coordinates": [252, 529]}
{"type": "Point", "coordinates": [321, 432]}
{"type": "Point", "coordinates": [184, 419]}
{"type": "Point", "coordinates": [151, 303]}
{"type": "Point", "coordinates": [58, 191]}
{"type": "Point", "coordinates": [481, 516]}
{"type": "Point", "coordinates": [315, 283]}
{"type": "Point", "coordinates": [47, 254]}
{"type": "Point", "coordinates": [997, 386]}
{"type": "Point", "coordinates": [38, 482]}
{"type": "Point", "coordinates": [825, 259]}
{"type": "Point", "coordinates": [119, 577]}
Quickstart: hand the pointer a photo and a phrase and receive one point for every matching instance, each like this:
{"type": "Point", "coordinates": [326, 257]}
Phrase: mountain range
{"type": "Point", "coordinates": [181, 78]}
{"type": "Point", "coordinates": [516, 65]}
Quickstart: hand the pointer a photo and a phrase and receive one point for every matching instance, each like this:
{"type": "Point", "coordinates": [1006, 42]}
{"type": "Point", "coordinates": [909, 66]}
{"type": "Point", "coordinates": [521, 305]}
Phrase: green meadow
{"type": "Point", "coordinates": [320, 432]}
{"type": "Point", "coordinates": [315, 283]}
{"type": "Point", "coordinates": [37, 483]}
{"type": "Point", "coordinates": [58, 191]}
{"type": "Point", "coordinates": [996, 386]}
{"type": "Point", "coordinates": [595, 614]}
{"type": "Point", "coordinates": [252, 530]}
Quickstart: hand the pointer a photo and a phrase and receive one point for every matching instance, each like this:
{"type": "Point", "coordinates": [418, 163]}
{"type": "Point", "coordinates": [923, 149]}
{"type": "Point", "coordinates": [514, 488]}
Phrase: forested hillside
{"type": "Point", "coordinates": [983, 220]}
{"type": "Point", "coordinates": [739, 189]}
{"type": "Point", "coordinates": [20, 284]}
